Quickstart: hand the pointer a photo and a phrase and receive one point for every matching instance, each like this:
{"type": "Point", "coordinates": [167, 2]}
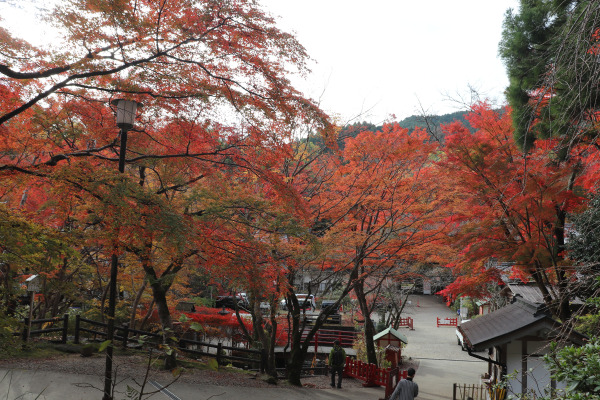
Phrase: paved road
{"type": "Point", "coordinates": [441, 360]}
{"type": "Point", "coordinates": [441, 363]}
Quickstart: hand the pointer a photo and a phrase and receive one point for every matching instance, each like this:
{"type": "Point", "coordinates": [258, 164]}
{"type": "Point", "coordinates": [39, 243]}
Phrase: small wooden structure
{"type": "Point", "coordinates": [516, 338]}
{"type": "Point", "coordinates": [392, 341]}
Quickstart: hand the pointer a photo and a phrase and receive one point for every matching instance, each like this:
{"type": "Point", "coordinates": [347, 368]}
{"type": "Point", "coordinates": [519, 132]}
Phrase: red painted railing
{"type": "Point", "coordinates": [326, 337]}
{"type": "Point", "coordinates": [372, 375]}
{"type": "Point", "coordinates": [447, 322]}
{"type": "Point", "coordinates": [408, 322]}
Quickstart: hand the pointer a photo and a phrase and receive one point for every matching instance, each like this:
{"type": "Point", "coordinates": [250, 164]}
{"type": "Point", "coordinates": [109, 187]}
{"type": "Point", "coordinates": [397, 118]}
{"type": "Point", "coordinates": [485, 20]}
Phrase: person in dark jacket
{"type": "Point", "coordinates": [337, 359]}
{"type": "Point", "coordinates": [406, 389]}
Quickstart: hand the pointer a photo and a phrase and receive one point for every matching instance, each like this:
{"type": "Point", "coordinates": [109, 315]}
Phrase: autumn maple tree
{"type": "Point", "coordinates": [382, 206]}
{"type": "Point", "coordinates": [213, 80]}
{"type": "Point", "coordinates": [509, 206]}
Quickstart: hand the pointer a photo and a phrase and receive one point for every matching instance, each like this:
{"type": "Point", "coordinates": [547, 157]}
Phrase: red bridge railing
{"type": "Point", "coordinates": [372, 375]}
{"type": "Point", "coordinates": [447, 322]}
{"type": "Point", "coordinates": [326, 337]}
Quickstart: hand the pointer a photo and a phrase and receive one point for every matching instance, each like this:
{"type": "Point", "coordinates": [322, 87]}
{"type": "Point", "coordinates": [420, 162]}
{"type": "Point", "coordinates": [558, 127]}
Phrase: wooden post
{"type": "Point", "coordinates": [263, 360]}
{"type": "Point", "coordinates": [77, 322]}
{"type": "Point", "coordinates": [30, 317]}
{"type": "Point", "coordinates": [392, 381]}
{"type": "Point", "coordinates": [219, 349]}
{"type": "Point", "coordinates": [454, 391]}
{"type": "Point", "coordinates": [26, 329]}
{"type": "Point", "coordinates": [65, 328]}
{"type": "Point", "coordinates": [125, 334]}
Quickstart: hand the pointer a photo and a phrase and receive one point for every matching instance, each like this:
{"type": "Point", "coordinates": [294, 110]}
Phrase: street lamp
{"type": "Point", "coordinates": [126, 111]}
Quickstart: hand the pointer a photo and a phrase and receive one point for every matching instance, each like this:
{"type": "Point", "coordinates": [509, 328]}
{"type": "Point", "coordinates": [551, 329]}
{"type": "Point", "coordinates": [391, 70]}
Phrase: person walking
{"type": "Point", "coordinates": [406, 389]}
{"type": "Point", "coordinates": [337, 358]}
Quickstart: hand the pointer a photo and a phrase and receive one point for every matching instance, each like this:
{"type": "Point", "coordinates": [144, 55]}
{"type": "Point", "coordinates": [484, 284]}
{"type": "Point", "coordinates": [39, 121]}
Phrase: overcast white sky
{"type": "Point", "coordinates": [386, 56]}
{"type": "Point", "coordinates": [376, 58]}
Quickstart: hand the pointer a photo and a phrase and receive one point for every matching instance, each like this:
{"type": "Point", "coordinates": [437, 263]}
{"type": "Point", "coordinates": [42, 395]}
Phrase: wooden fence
{"type": "Point", "coordinates": [50, 327]}
{"type": "Point", "coordinates": [122, 333]}
{"type": "Point", "coordinates": [469, 392]}
{"type": "Point", "coordinates": [408, 322]}
{"type": "Point", "coordinates": [372, 375]}
{"type": "Point", "coordinates": [447, 321]}
{"type": "Point", "coordinates": [255, 359]}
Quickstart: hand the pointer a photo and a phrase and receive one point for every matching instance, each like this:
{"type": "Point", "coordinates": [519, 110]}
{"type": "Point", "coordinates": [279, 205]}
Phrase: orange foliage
{"type": "Point", "coordinates": [506, 205]}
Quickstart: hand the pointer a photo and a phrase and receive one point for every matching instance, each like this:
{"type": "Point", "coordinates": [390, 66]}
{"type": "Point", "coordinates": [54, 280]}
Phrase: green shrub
{"type": "Point", "coordinates": [9, 342]}
{"type": "Point", "coordinates": [578, 367]}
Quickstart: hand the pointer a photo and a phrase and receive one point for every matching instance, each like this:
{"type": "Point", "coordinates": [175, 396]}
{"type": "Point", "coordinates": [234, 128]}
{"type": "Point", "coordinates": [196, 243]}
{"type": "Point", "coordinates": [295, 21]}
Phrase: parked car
{"type": "Point", "coordinates": [325, 304]}
{"type": "Point", "coordinates": [335, 317]}
{"type": "Point", "coordinates": [230, 302]}
{"type": "Point", "coordinates": [306, 301]}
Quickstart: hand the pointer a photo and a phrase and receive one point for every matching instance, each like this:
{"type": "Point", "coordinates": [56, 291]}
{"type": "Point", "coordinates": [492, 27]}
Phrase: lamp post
{"type": "Point", "coordinates": [126, 111]}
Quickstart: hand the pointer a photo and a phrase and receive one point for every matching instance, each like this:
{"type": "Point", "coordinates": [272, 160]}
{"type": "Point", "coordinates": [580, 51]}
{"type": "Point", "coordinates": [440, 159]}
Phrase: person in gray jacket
{"type": "Point", "coordinates": [406, 389]}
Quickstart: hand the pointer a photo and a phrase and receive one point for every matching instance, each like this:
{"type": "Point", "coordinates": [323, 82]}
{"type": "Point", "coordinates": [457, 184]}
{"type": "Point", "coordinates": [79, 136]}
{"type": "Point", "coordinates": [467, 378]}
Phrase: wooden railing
{"type": "Point", "coordinates": [52, 321]}
{"type": "Point", "coordinates": [464, 392]}
{"type": "Point", "coordinates": [371, 375]}
{"type": "Point", "coordinates": [326, 337]}
{"type": "Point", "coordinates": [250, 357]}
{"type": "Point", "coordinates": [447, 321]}
{"type": "Point", "coordinates": [122, 333]}
{"type": "Point", "coordinates": [408, 322]}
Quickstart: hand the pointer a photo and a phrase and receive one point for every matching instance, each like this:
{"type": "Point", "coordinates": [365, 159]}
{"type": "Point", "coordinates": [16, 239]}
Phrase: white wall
{"type": "Point", "coordinates": [513, 363]}
{"type": "Point", "coordinates": [538, 376]}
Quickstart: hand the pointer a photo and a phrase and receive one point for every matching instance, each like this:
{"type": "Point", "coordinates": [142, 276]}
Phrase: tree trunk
{"type": "Point", "coordinates": [368, 325]}
{"type": "Point", "coordinates": [296, 360]}
{"type": "Point", "coordinates": [135, 304]}
{"type": "Point", "coordinates": [271, 366]}
{"type": "Point", "coordinates": [160, 299]}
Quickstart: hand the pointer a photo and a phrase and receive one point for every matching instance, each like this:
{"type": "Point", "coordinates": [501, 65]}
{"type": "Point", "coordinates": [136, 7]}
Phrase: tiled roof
{"type": "Point", "coordinates": [514, 321]}
{"type": "Point", "coordinates": [528, 292]}
{"type": "Point", "coordinates": [393, 332]}
{"type": "Point", "coordinates": [531, 292]}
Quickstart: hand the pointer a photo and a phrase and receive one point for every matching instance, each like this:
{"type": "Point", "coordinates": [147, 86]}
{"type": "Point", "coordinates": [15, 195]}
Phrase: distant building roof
{"type": "Point", "coordinates": [519, 319]}
{"type": "Point", "coordinates": [393, 332]}
{"type": "Point", "coordinates": [529, 291]}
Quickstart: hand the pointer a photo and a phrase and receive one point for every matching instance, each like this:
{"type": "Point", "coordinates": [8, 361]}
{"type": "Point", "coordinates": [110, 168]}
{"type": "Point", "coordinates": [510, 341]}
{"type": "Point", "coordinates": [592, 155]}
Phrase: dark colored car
{"type": "Point", "coordinates": [334, 317]}
{"type": "Point", "coordinates": [230, 301]}
{"type": "Point", "coordinates": [326, 304]}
